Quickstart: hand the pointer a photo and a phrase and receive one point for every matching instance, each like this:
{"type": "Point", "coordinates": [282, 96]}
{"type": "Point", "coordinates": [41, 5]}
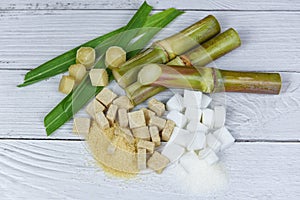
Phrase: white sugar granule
{"type": "Point", "coordinates": [197, 177]}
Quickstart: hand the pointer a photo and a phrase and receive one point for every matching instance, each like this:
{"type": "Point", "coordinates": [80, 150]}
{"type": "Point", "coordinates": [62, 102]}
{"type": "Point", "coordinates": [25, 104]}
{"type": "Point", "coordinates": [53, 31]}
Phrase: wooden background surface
{"type": "Point", "coordinates": [263, 164]}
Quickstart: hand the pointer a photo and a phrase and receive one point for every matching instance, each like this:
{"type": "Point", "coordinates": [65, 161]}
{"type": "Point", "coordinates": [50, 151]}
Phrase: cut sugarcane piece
{"type": "Point", "coordinates": [77, 71]}
{"type": "Point", "coordinates": [205, 101]}
{"type": "Point", "coordinates": [211, 80]}
{"type": "Point", "coordinates": [195, 126]}
{"type": "Point", "coordinates": [179, 119]}
{"type": "Point", "coordinates": [156, 106]}
{"type": "Point", "coordinates": [149, 74]}
{"type": "Point", "coordinates": [193, 113]}
{"type": "Point", "coordinates": [167, 131]}
{"type": "Point", "coordinates": [81, 125]}
{"type": "Point", "coordinates": [167, 49]}
{"type": "Point", "coordinates": [158, 162]}
{"type": "Point", "coordinates": [219, 116]}
{"type": "Point", "coordinates": [224, 136]}
{"type": "Point", "coordinates": [175, 103]}
{"type": "Point", "coordinates": [209, 156]}
{"type": "Point", "coordinates": [199, 141]}
{"type": "Point", "coordinates": [94, 107]}
{"type": "Point", "coordinates": [208, 117]}
{"type": "Point", "coordinates": [192, 98]}
{"type": "Point", "coordinates": [173, 151]}
{"type": "Point", "coordinates": [213, 143]}
{"type": "Point", "coordinates": [106, 96]}
{"type": "Point", "coordinates": [66, 84]}
{"type": "Point", "coordinates": [123, 102]}
{"type": "Point", "coordinates": [86, 56]}
{"type": "Point", "coordinates": [114, 57]}
{"type": "Point", "coordinates": [99, 77]}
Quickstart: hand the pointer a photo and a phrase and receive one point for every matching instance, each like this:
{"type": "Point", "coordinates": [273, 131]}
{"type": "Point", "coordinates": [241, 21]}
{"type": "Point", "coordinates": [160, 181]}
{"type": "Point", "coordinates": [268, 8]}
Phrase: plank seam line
{"type": "Point", "coordinates": [78, 139]}
{"type": "Point", "coordinates": [131, 9]}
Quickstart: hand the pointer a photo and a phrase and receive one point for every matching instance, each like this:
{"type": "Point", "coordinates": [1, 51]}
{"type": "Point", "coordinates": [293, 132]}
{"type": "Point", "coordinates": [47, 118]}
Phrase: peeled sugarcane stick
{"type": "Point", "coordinates": [165, 50]}
{"type": "Point", "coordinates": [209, 80]}
{"type": "Point", "coordinates": [200, 56]}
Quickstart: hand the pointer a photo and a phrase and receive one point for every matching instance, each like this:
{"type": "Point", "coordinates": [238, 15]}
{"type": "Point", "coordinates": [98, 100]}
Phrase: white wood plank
{"type": "Point", "coordinates": [250, 116]}
{"type": "Point", "coordinates": [64, 170]}
{"type": "Point", "coordinates": [133, 4]}
{"type": "Point", "coordinates": [29, 38]}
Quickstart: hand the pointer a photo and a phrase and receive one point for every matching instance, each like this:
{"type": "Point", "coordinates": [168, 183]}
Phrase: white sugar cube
{"type": "Point", "coordinates": [208, 117]}
{"type": "Point", "coordinates": [192, 98]}
{"type": "Point", "coordinates": [199, 141]}
{"type": "Point", "coordinates": [193, 113]}
{"type": "Point", "coordinates": [175, 103]}
{"type": "Point", "coordinates": [179, 119]}
{"type": "Point", "coordinates": [184, 138]}
{"type": "Point", "coordinates": [219, 115]}
{"type": "Point", "coordinates": [224, 136]}
{"type": "Point", "coordinates": [195, 125]}
{"type": "Point", "coordinates": [173, 152]}
{"type": "Point", "coordinates": [213, 143]}
{"type": "Point", "coordinates": [209, 156]}
{"type": "Point", "coordinates": [186, 160]}
{"type": "Point", "coordinates": [205, 101]}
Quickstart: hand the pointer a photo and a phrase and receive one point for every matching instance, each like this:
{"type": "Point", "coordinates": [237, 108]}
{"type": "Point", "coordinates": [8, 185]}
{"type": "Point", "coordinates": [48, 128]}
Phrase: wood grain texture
{"type": "Point", "coordinates": [65, 170]}
{"type": "Point", "coordinates": [158, 4]}
{"type": "Point", "coordinates": [250, 116]}
{"type": "Point", "coordinates": [270, 41]}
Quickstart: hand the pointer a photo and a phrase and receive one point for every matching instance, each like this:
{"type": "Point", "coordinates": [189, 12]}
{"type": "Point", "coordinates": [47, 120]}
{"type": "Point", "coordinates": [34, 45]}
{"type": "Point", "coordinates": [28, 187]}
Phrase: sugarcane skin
{"type": "Point", "coordinates": [251, 82]}
{"type": "Point", "coordinates": [213, 49]}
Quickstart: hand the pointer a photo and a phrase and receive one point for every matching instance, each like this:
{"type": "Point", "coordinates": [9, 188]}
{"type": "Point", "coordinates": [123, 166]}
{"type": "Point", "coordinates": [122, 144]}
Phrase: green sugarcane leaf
{"type": "Point", "coordinates": [73, 102]}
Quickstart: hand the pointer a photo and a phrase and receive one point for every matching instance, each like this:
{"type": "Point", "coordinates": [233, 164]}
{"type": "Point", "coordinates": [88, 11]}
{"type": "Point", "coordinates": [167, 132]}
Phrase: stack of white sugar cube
{"type": "Point", "coordinates": [199, 127]}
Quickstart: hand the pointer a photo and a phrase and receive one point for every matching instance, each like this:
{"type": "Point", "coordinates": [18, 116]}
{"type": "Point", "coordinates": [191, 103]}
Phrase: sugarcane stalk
{"type": "Point", "coordinates": [165, 50]}
{"type": "Point", "coordinates": [200, 56]}
{"type": "Point", "coordinates": [210, 80]}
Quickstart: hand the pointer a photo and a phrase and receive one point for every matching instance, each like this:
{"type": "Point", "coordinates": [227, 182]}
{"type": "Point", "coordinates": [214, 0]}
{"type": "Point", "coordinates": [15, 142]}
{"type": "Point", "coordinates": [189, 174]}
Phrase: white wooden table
{"type": "Point", "coordinates": [263, 164]}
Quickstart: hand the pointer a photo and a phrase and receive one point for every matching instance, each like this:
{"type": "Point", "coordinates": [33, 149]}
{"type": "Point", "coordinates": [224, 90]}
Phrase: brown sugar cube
{"type": "Point", "coordinates": [101, 120]}
{"type": "Point", "coordinates": [123, 102]}
{"type": "Point", "coordinates": [157, 162]}
{"type": "Point", "coordinates": [149, 146]}
{"type": "Point", "coordinates": [94, 107]}
{"type": "Point", "coordinates": [157, 121]}
{"type": "Point", "coordinates": [125, 133]}
{"type": "Point", "coordinates": [111, 113]}
{"type": "Point", "coordinates": [148, 114]}
{"type": "Point", "coordinates": [122, 117]}
{"type": "Point", "coordinates": [141, 133]}
{"type": "Point", "coordinates": [106, 96]}
{"type": "Point", "coordinates": [168, 130]}
{"type": "Point", "coordinates": [136, 119]}
{"type": "Point", "coordinates": [157, 106]}
{"type": "Point", "coordinates": [81, 125]}
{"type": "Point", "coordinates": [141, 159]}
{"type": "Point", "coordinates": [154, 133]}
